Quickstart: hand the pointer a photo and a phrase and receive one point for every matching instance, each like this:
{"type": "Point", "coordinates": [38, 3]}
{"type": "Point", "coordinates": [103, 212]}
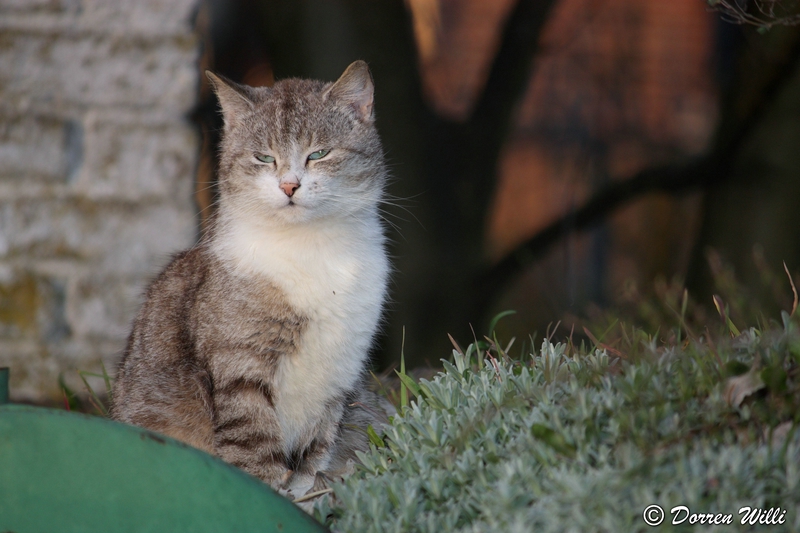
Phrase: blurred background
{"type": "Point", "coordinates": [561, 158]}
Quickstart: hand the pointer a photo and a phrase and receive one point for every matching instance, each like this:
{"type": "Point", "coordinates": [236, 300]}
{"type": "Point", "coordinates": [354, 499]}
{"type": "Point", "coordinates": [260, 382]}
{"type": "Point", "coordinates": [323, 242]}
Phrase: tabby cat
{"type": "Point", "coordinates": [253, 344]}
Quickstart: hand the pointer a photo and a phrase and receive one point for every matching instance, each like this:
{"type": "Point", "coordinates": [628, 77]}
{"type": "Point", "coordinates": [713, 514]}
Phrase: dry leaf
{"type": "Point", "coordinates": [738, 388]}
{"type": "Point", "coordinates": [777, 435]}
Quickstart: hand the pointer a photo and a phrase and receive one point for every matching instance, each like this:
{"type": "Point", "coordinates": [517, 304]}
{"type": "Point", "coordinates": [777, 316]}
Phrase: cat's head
{"type": "Point", "coordinates": [301, 150]}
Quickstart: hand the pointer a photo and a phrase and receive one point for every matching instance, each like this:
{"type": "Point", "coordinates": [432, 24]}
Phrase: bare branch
{"type": "Point", "coordinates": [697, 173]}
{"type": "Point", "coordinates": [491, 120]}
{"type": "Point", "coordinates": [762, 13]}
{"type": "Point", "coordinates": [511, 68]}
{"type": "Point", "coordinates": [674, 179]}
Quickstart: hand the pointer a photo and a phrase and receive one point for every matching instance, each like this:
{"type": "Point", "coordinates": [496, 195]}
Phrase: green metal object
{"type": "Point", "coordinates": [67, 472]}
{"type": "Point", "coordinates": [3, 385]}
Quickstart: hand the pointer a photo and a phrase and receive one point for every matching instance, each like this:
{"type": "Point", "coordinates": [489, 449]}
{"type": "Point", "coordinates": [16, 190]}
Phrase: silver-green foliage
{"type": "Point", "coordinates": [582, 442]}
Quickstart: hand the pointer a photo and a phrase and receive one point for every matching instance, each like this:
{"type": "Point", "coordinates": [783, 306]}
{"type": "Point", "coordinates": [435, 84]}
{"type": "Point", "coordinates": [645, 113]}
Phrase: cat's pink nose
{"type": "Point", "coordinates": [289, 187]}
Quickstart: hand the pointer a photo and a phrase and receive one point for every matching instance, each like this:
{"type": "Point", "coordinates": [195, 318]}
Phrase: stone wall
{"type": "Point", "coordinates": [97, 159]}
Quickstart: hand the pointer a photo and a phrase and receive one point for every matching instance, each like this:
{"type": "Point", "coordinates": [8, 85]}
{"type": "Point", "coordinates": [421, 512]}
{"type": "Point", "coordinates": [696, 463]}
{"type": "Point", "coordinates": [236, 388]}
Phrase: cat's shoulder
{"type": "Point", "coordinates": [187, 270]}
{"type": "Point", "coordinates": [189, 262]}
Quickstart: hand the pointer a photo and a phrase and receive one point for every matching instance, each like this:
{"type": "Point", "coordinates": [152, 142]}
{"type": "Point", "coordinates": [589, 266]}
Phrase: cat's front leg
{"type": "Point", "coordinates": [247, 433]}
{"type": "Point", "coordinates": [311, 460]}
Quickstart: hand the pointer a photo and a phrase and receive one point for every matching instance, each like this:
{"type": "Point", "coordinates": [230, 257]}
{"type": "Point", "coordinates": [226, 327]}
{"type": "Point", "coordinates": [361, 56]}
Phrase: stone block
{"type": "Point", "coordinates": [39, 6]}
{"type": "Point", "coordinates": [39, 149]}
{"type": "Point", "coordinates": [55, 71]}
{"type": "Point", "coordinates": [103, 307]}
{"type": "Point", "coordinates": [33, 307]}
{"type": "Point", "coordinates": [19, 305]}
{"type": "Point", "coordinates": [134, 161]}
{"type": "Point", "coordinates": [141, 241]}
{"type": "Point", "coordinates": [114, 237]}
{"type": "Point", "coordinates": [34, 373]}
{"type": "Point", "coordinates": [144, 16]}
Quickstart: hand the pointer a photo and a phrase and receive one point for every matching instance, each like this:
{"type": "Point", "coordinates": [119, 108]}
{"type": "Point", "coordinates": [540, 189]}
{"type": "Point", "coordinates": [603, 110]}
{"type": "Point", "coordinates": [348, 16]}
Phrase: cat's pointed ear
{"type": "Point", "coordinates": [355, 87]}
{"type": "Point", "coordinates": [234, 99]}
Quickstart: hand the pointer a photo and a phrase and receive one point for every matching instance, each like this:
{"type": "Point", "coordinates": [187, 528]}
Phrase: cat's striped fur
{"type": "Point", "coordinates": [253, 344]}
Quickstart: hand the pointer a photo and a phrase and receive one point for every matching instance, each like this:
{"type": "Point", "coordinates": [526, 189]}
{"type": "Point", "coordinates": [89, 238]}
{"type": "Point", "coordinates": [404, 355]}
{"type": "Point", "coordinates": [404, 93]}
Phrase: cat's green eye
{"type": "Point", "coordinates": [319, 154]}
{"type": "Point", "coordinates": [264, 158]}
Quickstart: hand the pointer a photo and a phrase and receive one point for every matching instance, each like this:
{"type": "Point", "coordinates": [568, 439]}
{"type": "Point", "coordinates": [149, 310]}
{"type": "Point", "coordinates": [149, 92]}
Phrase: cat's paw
{"type": "Point", "coordinates": [299, 484]}
{"type": "Point", "coordinates": [286, 480]}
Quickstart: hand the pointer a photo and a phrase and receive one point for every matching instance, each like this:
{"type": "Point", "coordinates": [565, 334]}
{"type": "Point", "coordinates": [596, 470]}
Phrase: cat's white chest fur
{"type": "Point", "coordinates": [335, 275]}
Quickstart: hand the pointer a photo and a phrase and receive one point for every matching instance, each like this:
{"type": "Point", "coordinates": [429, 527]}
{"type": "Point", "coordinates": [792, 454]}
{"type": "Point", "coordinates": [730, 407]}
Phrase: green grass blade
{"type": "Point", "coordinates": [107, 380]}
{"type": "Point", "coordinates": [497, 318]}
{"type": "Point", "coordinates": [70, 398]}
{"type": "Point", "coordinates": [403, 389]}
{"type": "Point", "coordinates": [95, 400]}
{"type": "Point", "coordinates": [374, 438]}
{"type": "Point", "coordinates": [408, 382]}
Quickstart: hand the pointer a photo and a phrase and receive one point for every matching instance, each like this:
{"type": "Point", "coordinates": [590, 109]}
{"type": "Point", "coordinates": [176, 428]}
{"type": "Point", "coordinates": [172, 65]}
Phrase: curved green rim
{"type": "Point", "coordinates": [63, 471]}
